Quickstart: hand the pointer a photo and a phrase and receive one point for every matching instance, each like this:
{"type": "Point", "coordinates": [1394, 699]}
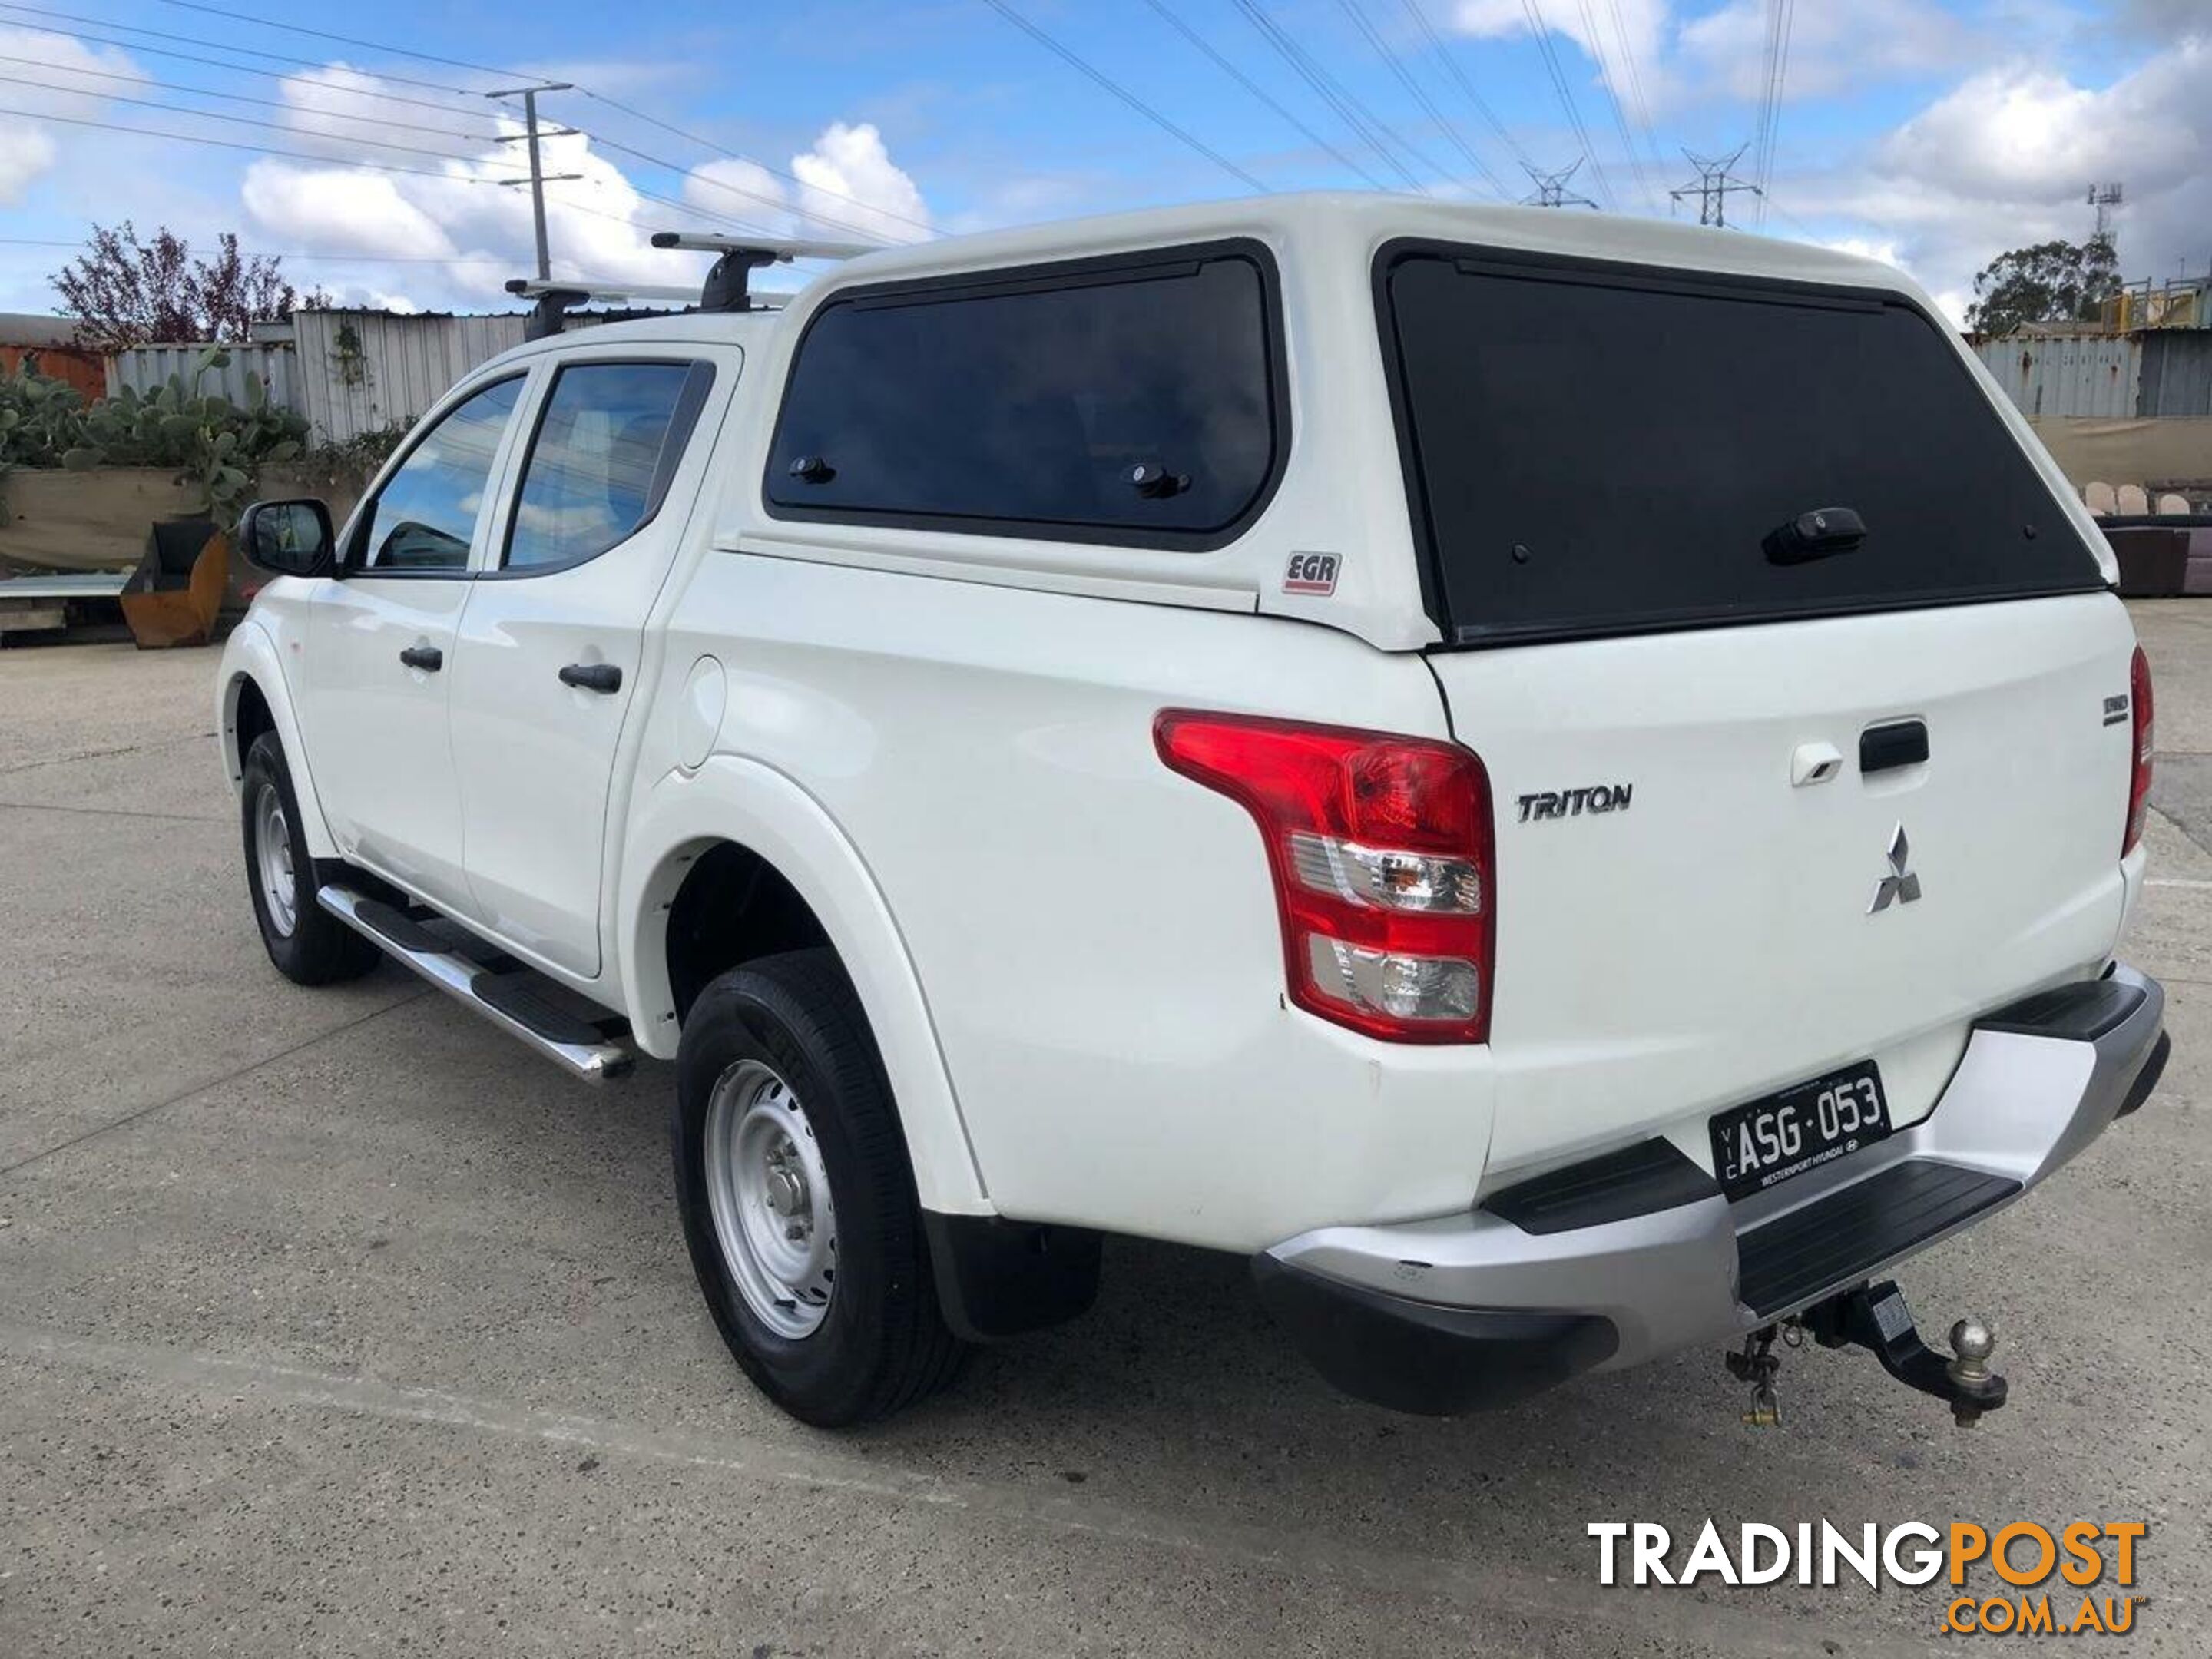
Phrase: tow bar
{"type": "Point", "coordinates": [1876, 1317]}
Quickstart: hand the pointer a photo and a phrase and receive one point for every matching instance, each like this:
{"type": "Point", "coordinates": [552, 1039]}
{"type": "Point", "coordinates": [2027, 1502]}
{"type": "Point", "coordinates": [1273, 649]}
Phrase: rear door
{"type": "Point", "coordinates": [549, 651]}
{"type": "Point", "coordinates": [1791, 674]}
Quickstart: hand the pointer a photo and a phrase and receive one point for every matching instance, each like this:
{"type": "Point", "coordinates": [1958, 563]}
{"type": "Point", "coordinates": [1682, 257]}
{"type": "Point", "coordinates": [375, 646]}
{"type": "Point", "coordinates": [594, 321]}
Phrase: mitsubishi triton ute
{"type": "Point", "coordinates": [1569, 787]}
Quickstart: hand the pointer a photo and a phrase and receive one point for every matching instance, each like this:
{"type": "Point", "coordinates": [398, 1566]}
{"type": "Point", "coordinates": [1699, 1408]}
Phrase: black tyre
{"type": "Point", "coordinates": [309, 946]}
{"type": "Point", "coordinates": [798, 1200]}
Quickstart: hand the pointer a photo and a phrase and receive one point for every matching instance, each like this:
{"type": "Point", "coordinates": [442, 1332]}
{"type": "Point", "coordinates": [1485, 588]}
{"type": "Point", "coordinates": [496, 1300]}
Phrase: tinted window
{"type": "Point", "coordinates": [992, 407]}
{"type": "Point", "coordinates": [600, 460]}
{"type": "Point", "coordinates": [1595, 453]}
{"type": "Point", "coordinates": [425, 514]}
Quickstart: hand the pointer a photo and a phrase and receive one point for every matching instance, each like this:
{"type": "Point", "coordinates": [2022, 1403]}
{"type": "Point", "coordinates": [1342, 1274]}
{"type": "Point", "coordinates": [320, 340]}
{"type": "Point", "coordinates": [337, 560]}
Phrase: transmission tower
{"type": "Point", "coordinates": [1552, 188]}
{"type": "Point", "coordinates": [2104, 198]}
{"type": "Point", "coordinates": [1713, 185]}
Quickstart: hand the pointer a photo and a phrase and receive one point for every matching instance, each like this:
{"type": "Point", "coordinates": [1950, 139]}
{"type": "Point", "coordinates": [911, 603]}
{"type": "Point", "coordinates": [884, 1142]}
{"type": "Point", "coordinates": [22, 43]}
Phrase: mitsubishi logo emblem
{"type": "Point", "coordinates": [1900, 886]}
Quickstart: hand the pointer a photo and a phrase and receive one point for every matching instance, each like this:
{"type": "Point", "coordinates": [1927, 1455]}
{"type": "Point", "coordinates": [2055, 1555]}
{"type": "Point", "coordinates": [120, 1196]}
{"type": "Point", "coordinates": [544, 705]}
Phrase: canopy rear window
{"type": "Point", "coordinates": [1592, 449]}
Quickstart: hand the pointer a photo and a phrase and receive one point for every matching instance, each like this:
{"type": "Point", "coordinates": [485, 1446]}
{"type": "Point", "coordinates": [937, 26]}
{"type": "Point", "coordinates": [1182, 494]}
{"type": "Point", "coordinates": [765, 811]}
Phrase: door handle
{"type": "Point", "coordinates": [428, 658]}
{"type": "Point", "coordinates": [601, 677]}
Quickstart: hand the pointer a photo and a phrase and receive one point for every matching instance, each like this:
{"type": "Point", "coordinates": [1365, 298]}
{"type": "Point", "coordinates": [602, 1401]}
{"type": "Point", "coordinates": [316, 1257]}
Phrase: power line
{"type": "Point", "coordinates": [1613, 98]}
{"type": "Point", "coordinates": [1347, 108]}
{"type": "Point", "coordinates": [280, 76]}
{"type": "Point", "coordinates": [350, 41]}
{"type": "Point", "coordinates": [1258, 91]}
{"type": "Point", "coordinates": [1784, 13]}
{"type": "Point", "coordinates": [1123, 93]}
{"type": "Point", "coordinates": [775, 201]}
{"type": "Point", "coordinates": [194, 40]}
{"type": "Point", "coordinates": [737, 155]}
{"type": "Point", "coordinates": [1350, 9]}
{"type": "Point", "coordinates": [1542, 31]}
{"type": "Point", "coordinates": [299, 259]}
{"type": "Point", "coordinates": [1635, 77]}
{"type": "Point", "coordinates": [1459, 77]}
{"type": "Point", "coordinates": [246, 98]}
{"type": "Point", "coordinates": [259, 149]}
{"type": "Point", "coordinates": [241, 120]}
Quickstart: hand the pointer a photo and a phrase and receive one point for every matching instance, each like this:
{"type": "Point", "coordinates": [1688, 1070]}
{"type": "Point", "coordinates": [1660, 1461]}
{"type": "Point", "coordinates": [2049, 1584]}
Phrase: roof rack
{"type": "Point", "coordinates": [555, 299]}
{"type": "Point", "coordinates": [726, 285]}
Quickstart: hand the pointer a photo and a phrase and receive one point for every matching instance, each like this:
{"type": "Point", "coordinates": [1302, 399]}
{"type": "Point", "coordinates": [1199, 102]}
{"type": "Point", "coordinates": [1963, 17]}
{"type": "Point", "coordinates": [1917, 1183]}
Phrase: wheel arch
{"type": "Point", "coordinates": [759, 826]}
{"type": "Point", "coordinates": [253, 697]}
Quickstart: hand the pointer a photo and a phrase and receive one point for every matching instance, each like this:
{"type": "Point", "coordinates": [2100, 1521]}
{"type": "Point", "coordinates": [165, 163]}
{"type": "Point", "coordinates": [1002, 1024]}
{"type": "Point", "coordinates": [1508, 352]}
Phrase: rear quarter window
{"type": "Point", "coordinates": [1593, 448]}
{"type": "Point", "coordinates": [1026, 402]}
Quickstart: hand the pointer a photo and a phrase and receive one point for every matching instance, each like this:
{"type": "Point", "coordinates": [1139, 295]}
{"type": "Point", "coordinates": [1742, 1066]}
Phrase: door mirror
{"type": "Point", "coordinates": [292, 538]}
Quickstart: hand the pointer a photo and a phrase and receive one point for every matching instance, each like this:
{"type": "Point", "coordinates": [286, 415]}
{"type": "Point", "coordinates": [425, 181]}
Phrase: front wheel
{"type": "Point", "coordinates": [798, 1200]}
{"type": "Point", "coordinates": [309, 944]}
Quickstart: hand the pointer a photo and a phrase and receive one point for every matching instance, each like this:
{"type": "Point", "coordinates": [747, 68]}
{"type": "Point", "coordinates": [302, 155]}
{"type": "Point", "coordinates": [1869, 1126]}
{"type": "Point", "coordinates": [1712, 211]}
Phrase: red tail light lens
{"type": "Point", "coordinates": [2139, 700]}
{"type": "Point", "coordinates": [1381, 849]}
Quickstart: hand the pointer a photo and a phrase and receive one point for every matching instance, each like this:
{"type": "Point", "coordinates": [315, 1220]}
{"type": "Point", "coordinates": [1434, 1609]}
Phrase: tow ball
{"type": "Point", "coordinates": [1876, 1317]}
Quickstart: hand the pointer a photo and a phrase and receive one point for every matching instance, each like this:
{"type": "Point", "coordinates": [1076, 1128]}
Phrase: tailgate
{"type": "Point", "coordinates": [1713, 936]}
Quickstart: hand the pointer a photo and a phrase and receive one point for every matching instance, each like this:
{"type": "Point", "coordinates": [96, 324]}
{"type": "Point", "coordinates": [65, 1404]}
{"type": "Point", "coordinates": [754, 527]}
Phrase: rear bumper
{"type": "Point", "coordinates": [1637, 1254]}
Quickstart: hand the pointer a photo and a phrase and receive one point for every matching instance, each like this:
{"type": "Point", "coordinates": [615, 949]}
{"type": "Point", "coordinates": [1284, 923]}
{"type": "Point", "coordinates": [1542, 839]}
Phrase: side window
{"type": "Point", "coordinates": [425, 514]}
{"type": "Point", "coordinates": [1135, 403]}
{"type": "Point", "coordinates": [600, 460]}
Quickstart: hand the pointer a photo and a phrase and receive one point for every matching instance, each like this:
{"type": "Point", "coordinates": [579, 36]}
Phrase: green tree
{"type": "Point", "coordinates": [2054, 281]}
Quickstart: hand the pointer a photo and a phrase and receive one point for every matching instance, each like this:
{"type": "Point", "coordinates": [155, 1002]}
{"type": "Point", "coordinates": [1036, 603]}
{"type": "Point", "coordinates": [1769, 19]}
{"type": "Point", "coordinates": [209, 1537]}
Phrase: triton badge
{"type": "Point", "coordinates": [1900, 886]}
{"type": "Point", "coordinates": [1573, 803]}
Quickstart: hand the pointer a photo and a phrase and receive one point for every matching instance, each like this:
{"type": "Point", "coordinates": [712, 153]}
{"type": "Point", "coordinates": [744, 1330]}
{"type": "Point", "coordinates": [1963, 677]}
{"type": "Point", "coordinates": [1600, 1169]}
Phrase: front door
{"type": "Point", "coordinates": [380, 648]}
{"type": "Point", "coordinates": [551, 645]}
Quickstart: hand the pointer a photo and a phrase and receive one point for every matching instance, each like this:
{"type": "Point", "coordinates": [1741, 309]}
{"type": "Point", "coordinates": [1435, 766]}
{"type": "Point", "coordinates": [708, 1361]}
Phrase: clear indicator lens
{"type": "Point", "coordinates": [1426, 882]}
{"type": "Point", "coordinates": [1393, 983]}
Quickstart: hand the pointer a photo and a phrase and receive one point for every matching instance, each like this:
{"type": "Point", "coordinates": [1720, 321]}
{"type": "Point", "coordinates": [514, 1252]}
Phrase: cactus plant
{"type": "Point", "coordinates": [215, 444]}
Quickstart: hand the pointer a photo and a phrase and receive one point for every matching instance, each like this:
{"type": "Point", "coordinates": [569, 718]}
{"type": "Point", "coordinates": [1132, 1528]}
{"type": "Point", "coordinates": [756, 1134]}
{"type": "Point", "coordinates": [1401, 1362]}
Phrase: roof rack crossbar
{"type": "Point", "coordinates": [727, 287]}
{"type": "Point", "coordinates": [555, 299]}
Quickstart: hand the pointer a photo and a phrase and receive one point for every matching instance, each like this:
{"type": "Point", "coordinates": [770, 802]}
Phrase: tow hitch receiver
{"type": "Point", "coordinates": [1876, 1317]}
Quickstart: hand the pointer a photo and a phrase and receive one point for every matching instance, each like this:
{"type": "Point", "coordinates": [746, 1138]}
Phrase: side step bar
{"type": "Point", "coordinates": [579, 1048]}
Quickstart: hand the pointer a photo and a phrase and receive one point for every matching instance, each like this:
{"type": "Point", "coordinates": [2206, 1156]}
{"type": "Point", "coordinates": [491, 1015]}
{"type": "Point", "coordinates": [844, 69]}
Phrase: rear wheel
{"type": "Point", "coordinates": [798, 1200]}
{"type": "Point", "coordinates": [309, 944]}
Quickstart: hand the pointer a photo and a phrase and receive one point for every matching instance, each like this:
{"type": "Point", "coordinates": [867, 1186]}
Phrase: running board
{"type": "Point", "coordinates": [578, 1047]}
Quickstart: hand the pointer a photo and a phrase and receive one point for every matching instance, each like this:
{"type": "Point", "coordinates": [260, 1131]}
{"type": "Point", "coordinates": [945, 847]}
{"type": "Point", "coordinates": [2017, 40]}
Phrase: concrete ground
{"type": "Point", "coordinates": [330, 1322]}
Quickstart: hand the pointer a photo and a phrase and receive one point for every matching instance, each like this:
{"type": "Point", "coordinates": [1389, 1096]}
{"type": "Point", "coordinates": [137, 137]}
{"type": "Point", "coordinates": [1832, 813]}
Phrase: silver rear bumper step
{"type": "Point", "coordinates": [576, 1048]}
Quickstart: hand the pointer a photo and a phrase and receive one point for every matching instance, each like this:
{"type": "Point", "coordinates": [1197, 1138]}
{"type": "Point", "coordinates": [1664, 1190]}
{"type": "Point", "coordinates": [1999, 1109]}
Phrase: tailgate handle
{"type": "Point", "coordinates": [1899, 742]}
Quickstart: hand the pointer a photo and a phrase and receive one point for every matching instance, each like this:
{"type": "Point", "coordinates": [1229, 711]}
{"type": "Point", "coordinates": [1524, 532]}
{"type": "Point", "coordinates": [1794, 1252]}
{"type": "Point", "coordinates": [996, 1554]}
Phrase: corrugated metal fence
{"type": "Point", "coordinates": [2067, 374]}
{"type": "Point", "coordinates": [2177, 373]}
{"type": "Point", "coordinates": [147, 367]}
{"type": "Point", "coordinates": [360, 371]}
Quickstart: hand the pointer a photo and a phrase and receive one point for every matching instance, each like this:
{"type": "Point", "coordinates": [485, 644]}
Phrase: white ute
{"type": "Point", "coordinates": [1568, 785]}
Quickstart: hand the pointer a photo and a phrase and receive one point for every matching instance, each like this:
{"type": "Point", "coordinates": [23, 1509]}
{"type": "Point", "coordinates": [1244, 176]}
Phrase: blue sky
{"type": "Point", "coordinates": [1933, 135]}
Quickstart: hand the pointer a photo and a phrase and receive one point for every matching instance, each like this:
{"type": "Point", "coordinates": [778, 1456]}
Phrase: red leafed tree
{"type": "Point", "coordinates": [124, 292]}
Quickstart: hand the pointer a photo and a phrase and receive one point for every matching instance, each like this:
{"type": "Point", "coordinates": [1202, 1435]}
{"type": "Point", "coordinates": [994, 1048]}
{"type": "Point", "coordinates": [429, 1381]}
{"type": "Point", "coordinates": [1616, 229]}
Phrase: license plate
{"type": "Point", "coordinates": [1800, 1128]}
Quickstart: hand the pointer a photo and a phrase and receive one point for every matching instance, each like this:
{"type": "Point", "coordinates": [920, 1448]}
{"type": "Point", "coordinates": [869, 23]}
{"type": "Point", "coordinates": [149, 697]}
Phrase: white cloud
{"type": "Point", "coordinates": [26, 152]}
{"type": "Point", "coordinates": [851, 185]}
{"type": "Point", "coordinates": [2005, 158]}
{"type": "Point", "coordinates": [846, 188]}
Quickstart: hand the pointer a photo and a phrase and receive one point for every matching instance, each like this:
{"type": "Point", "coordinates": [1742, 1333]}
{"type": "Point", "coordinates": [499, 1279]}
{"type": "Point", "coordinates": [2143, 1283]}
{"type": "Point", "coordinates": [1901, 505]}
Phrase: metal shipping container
{"type": "Point", "coordinates": [2067, 373]}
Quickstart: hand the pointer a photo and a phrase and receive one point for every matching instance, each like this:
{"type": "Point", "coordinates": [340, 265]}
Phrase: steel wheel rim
{"type": "Point", "coordinates": [769, 1195]}
{"type": "Point", "coordinates": [272, 852]}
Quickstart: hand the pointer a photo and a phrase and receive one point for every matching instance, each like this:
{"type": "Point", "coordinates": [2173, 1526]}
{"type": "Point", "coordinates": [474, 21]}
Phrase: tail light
{"type": "Point", "coordinates": [2139, 700]}
{"type": "Point", "coordinates": [1381, 849]}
